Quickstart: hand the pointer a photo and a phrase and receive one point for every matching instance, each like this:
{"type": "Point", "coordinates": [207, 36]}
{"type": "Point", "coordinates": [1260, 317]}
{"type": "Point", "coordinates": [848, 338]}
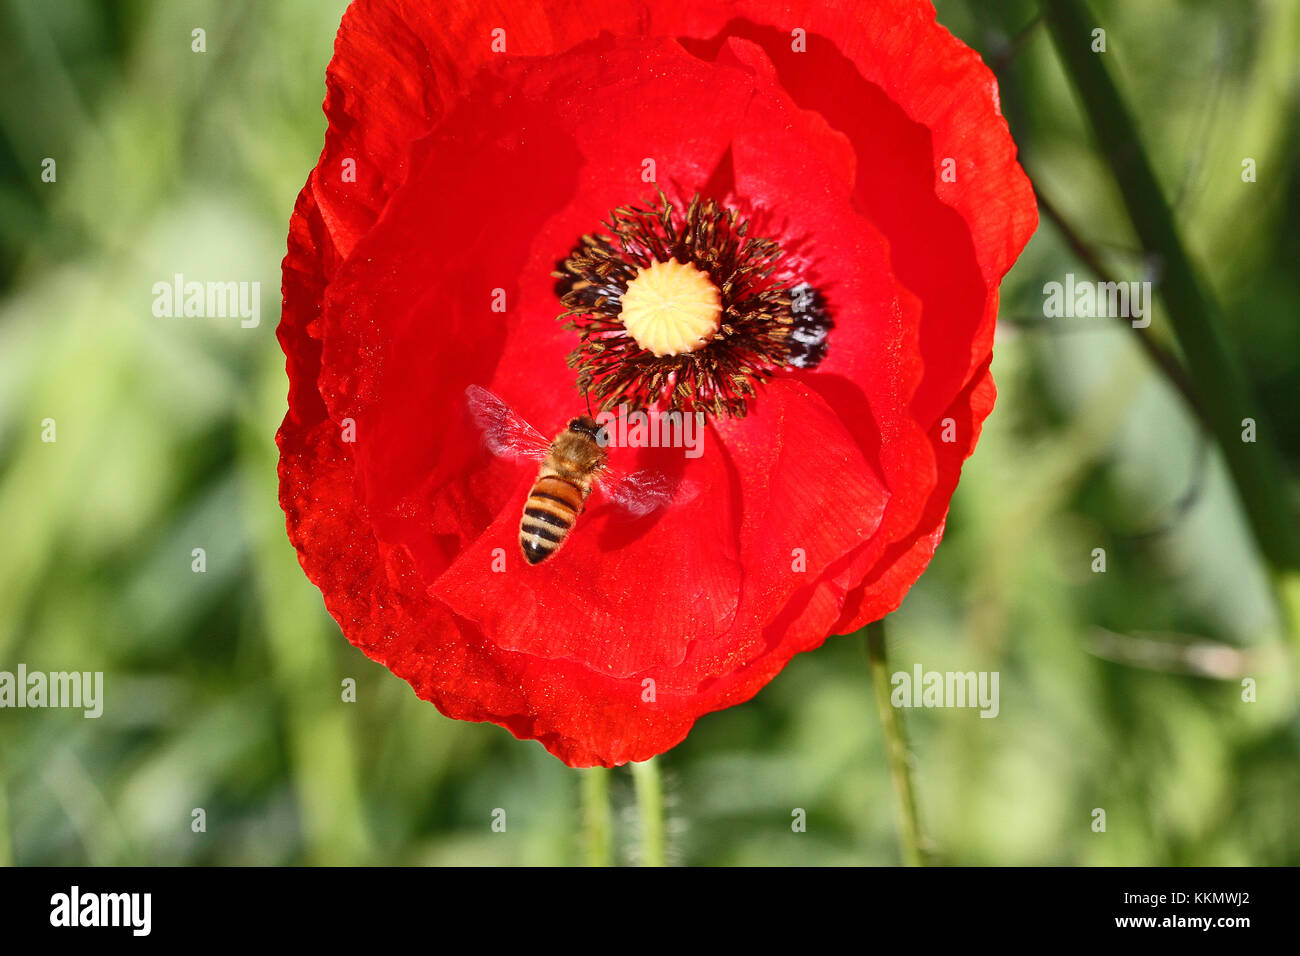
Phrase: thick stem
{"type": "Point", "coordinates": [1224, 393]}
{"type": "Point", "coordinates": [650, 811]}
{"type": "Point", "coordinates": [1218, 379]}
{"type": "Point", "coordinates": [896, 755]}
{"type": "Point", "coordinates": [597, 821]}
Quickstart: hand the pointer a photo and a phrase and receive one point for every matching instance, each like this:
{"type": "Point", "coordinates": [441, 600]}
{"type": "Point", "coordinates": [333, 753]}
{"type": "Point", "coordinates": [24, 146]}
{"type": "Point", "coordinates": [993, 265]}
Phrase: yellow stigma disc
{"type": "Point", "coordinates": [671, 308]}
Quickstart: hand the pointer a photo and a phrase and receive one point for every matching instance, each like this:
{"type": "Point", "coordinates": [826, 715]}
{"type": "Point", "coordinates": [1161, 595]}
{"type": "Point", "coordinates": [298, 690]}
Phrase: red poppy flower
{"type": "Point", "coordinates": [857, 202]}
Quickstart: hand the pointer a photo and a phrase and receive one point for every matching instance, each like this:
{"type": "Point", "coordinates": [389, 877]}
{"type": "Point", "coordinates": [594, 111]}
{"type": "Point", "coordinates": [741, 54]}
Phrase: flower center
{"type": "Point", "coordinates": [685, 309]}
{"type": "Point", "coordinates": [671, 308]}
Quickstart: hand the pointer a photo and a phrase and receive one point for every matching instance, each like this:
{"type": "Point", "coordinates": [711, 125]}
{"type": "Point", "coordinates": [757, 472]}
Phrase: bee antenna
{"type": "Point", "coordinates": [587, 395]}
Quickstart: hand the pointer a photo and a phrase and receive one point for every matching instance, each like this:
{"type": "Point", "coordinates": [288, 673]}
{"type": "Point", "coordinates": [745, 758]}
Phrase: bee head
{"type": "Point", "coordinates": [586, 425]}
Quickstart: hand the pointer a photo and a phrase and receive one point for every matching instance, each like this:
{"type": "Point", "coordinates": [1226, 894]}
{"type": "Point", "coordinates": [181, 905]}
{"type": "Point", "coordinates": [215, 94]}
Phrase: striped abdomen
{"type": "Point", "coordinates": [549, 514]}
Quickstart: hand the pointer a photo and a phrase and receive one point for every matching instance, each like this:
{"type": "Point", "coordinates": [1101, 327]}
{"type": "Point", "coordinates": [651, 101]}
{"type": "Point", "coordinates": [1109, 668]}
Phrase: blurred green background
{"type": "Point", "coordinates": [1119, 691]}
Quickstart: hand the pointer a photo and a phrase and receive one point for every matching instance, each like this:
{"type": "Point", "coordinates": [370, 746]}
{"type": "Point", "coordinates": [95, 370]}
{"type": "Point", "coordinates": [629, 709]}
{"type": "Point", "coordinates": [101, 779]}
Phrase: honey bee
{"type": "Point", "coordinates": [572, 464]}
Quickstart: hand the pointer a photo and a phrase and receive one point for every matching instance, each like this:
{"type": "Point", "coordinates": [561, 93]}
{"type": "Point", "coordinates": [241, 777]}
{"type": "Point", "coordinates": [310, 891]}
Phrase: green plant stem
{"type": "Point", "coordinates": [650, 811]}
{"type": "Point", "coordinates": [597, 821]}
{"type": "Point", "coordinates": [1162, 358]}
{"type": "Point", "coordinates": [1216, 374]}
{"type": "Point", "coordinates": [1220, 383]}
{"type": "Point", "coordinates": [896, 756]}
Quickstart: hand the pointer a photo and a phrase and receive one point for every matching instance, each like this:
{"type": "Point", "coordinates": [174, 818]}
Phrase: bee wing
{"type": "Point", "coordinates": [505, 432]}
{"type": "Point", "coordinates": [641, 492]}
